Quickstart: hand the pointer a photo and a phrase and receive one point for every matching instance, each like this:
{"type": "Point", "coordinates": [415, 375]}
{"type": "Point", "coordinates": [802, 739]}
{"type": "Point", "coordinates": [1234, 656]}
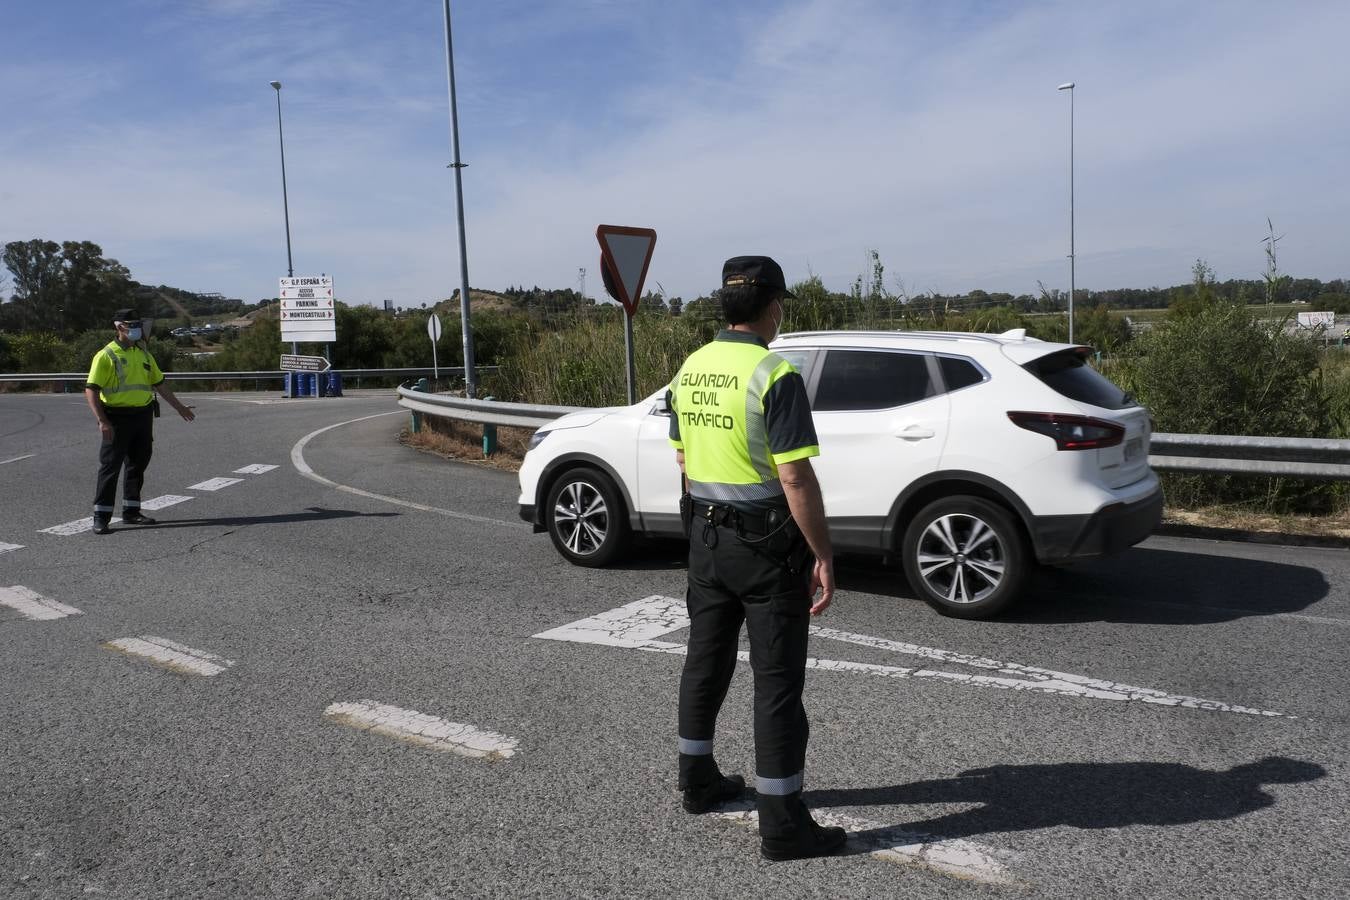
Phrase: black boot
{"type": "Point", "coordinates": [704, 798]}
{"type": "Point", "coordinates": [787, 830]}
{"type": "Point", "coordinates": [703, 784]}
{"type": "Point", "coordinates": [101, 526]}
{"type": "Point", "coordinates": [136, 517]}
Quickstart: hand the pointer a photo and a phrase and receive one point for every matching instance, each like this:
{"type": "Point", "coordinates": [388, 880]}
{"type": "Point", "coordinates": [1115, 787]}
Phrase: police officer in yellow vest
{"type": "Point", "coordinates": [759, 550]}
{"type": "Point", "coordinates": [123, 379]}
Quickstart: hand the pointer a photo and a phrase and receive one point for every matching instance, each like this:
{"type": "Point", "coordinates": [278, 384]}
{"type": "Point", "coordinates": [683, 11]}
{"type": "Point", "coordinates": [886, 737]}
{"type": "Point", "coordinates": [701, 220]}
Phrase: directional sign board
{"type": "Point", "coordinates": [625, 254]}
{"type": "Point", "coordinates": [307, 309]}
{"type": "Point", "coordinates": [293, 363]}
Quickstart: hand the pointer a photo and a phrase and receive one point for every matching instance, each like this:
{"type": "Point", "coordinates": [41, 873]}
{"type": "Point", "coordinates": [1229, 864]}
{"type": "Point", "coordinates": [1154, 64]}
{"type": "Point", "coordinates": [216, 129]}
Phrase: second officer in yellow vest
{"type": "Point", "coordinates": [121, 387]}
{"type": "Point", "coordinates": [758, 552]}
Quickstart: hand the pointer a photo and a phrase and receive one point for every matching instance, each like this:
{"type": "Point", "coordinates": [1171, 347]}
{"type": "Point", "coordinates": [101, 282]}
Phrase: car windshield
{"type": "Point", "coordinates": [1068, 373]}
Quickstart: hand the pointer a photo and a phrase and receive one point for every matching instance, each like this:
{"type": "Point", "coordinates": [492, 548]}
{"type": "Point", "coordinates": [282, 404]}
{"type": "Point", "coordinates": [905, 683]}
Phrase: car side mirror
{"type": "Point", "coordinates": [662, 405]}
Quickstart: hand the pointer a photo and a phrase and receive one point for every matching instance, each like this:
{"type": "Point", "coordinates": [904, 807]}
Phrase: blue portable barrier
{"type": "Point", "coordinates": [334, 380]}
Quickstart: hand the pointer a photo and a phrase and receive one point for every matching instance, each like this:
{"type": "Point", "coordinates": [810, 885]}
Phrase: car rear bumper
{"type": "Point", "coordinates": [1109, 530]}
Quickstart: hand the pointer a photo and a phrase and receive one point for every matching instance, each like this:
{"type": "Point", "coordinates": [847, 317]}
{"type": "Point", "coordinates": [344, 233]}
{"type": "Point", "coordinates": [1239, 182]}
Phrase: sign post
{"type": "Point", "coordinates": [625, 255]}
{"type": "Point", "coordinates": [434, 332]}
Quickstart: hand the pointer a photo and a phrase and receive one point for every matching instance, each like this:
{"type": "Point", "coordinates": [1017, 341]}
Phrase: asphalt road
{"type": "Point", "coordinates": [1169, 723]}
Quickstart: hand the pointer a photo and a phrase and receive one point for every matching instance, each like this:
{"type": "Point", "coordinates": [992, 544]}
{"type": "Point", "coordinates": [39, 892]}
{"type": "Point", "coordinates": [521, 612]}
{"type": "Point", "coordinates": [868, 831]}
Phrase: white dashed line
{"type": "Point", "coordinates": [637, 626]}
{"type": "Point", "coordinates": [4, 462]}
{"type": "Point", "coordinates": [255, 469]}
{"type": "Point", "coordinates": [425, 730]}
{"type": "Point", "coordinates": [960, 858]}
{"type": "Point", "coordinates": [5, 548]}
{"type": "Point", "coordinates": [214, 484]}
{"type": "Point", "coordinates": [33, 605]}
{"type": "Point", "coordinates": [170, 655]}
{"type": "Point", "coordinates": [76, 527]}
{"type": "Point", "coordinates": [166, 500]}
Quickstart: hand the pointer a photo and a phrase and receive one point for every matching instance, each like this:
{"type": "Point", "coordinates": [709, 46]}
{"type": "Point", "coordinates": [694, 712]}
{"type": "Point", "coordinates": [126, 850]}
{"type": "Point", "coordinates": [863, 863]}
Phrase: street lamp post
{"type": "Point", "coordinates": [285, 204]}
{"type": "Point", "coordinates": [1069, 87]}
{"type": "Point", "coordinates": [470, 377]}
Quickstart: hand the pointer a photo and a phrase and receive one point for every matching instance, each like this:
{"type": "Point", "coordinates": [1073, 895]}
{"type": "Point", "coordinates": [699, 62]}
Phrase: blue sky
{"type": "Point", "coordinates": [810, 130]}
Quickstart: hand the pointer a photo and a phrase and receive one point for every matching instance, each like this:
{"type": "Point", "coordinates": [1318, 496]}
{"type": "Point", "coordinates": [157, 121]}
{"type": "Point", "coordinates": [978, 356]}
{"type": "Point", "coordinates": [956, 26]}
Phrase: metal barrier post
{"type": "Point", "coordinates": [489, 436]}
{"type": "Point", "coordinates": [421, 385]}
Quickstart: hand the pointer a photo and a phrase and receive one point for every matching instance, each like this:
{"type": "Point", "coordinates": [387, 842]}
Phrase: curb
{"type": "Point", "coordinates": [1252, 537]}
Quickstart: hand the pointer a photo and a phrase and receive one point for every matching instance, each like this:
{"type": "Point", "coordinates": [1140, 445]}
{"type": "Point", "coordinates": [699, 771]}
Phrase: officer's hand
{"type": "Point", "coordinates": [186, 412]}
{"type": "Point", "coordinates": [105, 430]}
{"type": "Point", "coordinates": [822, 578]}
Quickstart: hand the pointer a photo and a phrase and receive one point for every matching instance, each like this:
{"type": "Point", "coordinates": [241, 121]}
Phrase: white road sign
{"type": "Point", "coordinates": [1314, 319]}
{"type": "Point", "coordinates": [434, 327]}
{"type": "Point", "coordinates": [308, 309]}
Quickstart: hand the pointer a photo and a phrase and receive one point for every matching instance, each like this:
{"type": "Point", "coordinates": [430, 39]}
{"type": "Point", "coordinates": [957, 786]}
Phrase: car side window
{"type": "Point", "coordinates": [959, 373]}
{"type": "Point", "coordinates": [871, 379]}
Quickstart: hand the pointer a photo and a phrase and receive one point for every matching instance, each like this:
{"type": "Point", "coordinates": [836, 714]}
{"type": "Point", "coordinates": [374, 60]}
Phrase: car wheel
{"type": "Point", "coordinates": [586, 518]}
{"type": "Point", "coordinates": [965, 556]}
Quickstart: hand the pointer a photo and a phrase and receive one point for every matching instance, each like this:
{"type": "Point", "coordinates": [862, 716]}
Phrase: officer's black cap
{"type": "Point", "coordinates": [126, 315]}
{"type": "Point", "coordinates": [758, 270]}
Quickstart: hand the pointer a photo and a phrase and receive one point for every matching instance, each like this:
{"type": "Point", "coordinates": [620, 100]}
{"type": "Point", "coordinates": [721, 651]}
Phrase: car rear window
{"type": "Point", "coordinates": [1068, 374]}
{"type": "Point", "coordinates": [867, 379]}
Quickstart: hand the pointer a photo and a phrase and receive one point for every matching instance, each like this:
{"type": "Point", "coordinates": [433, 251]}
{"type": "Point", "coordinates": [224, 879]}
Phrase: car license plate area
{"type": "Point", "coordinates": [1134, 448]}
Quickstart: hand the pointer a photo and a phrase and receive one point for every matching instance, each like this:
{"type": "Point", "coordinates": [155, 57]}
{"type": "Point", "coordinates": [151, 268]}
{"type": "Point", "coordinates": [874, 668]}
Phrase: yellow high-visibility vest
{"type": "Point", "coordinates": [125, 377]}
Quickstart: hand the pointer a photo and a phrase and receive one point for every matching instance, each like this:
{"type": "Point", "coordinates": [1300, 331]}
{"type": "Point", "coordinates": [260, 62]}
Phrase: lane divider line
{"type": "Point", "coordinates": [254, 469]}
{"type": "Point", "coordinates": [423, 729]}
{"type": "Point", "coordinates": [76, 527]}
{"type": "Point", "coordinates": [164, 501]}
{"type": "Point", "coordinates": [298, 461]}
{"type": "Point", "coordinates": [171, 655]}
{"type": "Point", "coordinates": [958, 858]}
{"type": "Point", "coordinates": [214, 484]}
{"type": "Point", "coordinates": [5, 548]}
{"type": "Point", "coordinates": [4, 462]}
{"type": "Point", "coordinates": [32, 605]}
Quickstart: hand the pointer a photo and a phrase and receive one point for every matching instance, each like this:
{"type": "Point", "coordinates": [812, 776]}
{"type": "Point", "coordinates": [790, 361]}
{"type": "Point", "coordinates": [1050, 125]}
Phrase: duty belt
{"type": "Point", "coordinates": [721, 514]}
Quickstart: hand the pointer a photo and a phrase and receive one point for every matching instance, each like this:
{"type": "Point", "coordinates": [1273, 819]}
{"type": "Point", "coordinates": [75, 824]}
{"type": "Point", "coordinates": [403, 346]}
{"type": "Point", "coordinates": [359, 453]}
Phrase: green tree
{"type": "Point", "coordinates": [66, 288]}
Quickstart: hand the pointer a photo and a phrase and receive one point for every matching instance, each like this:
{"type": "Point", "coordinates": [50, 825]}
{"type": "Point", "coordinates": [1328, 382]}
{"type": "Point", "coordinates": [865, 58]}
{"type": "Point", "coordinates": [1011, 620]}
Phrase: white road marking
{"type": "Point", "coordinates": [5, 548]}
{"type": "Point", "coordinates": [171, 655]}
{"type": "Point", "coordinates": [4, 462]}
{"type": "Point", "coordinates": [214, 484]}
{"type": "Point", "coordinates": [76, 527]}
{"type": "Point", "coordinates": [960, 858]}
{"type": "Point", "coordinates": [638, 625]}
{"type": "Point", "coordinates": [425, 730]}
{"type": "Point", "coordinates": [298, 460]}
{"type": "Point", "coordinates": [33, 605]}
{"type": "Point", "coordinates": [255, 469]}
{"type": "Point", "coordinates": [161, 502]}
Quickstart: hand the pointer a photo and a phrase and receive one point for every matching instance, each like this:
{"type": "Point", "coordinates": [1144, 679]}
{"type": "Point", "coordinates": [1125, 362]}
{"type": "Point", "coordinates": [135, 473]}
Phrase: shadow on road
{"type": "Point", "coordinates": [1139, 586]}
{"type": "Point", "coordinates": [1079, 795]}
{"type": "Point", "coordinates": [312, 514]}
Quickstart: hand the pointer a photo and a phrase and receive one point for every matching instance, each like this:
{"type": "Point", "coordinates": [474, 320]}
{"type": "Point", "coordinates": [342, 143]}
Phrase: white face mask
{"type": "Point", "coordinates": [782, 314]}
{"type": "Point", "coordinates": [134, 334]}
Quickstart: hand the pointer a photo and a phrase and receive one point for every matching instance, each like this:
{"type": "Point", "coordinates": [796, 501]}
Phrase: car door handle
{"type": "Point", "coordinates": [915, 434]}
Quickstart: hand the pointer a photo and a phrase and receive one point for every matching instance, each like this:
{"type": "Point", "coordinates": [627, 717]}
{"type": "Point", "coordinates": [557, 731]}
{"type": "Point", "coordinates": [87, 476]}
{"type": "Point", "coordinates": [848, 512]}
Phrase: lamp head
{"type": "Point", "coordinates": [1067, 86]}
{"type": "Point", "coordinates": [275, 84]}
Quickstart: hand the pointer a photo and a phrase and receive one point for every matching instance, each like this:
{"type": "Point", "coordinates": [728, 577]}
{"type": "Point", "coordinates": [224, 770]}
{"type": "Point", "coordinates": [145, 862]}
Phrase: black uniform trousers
{"type": "Point", "coordinates": [131, 444]}
{"type": "Point", "coordinates": [738, 576]}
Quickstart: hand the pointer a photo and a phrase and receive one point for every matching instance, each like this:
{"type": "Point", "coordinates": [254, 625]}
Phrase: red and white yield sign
{"type": "Point", "coordinates": [625, 254]}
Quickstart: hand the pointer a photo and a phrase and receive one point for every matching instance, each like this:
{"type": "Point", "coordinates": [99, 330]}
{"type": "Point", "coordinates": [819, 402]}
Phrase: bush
{"type": "Point", "coordinates": [1217, 370]}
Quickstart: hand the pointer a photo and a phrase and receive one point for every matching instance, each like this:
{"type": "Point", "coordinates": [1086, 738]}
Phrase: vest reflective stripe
{"type": "Point", "coordinates": [756, 432]}
{"type": "Point", "coordinates": [716, 490]}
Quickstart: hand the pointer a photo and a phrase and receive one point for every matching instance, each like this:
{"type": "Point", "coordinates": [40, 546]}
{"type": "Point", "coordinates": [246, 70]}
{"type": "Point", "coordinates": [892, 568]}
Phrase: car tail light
{"type": "Point", "coordinates": [1071, 432]}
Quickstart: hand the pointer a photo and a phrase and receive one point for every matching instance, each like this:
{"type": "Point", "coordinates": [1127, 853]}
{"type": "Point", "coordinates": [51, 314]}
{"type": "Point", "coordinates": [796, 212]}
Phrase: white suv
{"type": "Point", "coordinates": [970, 457]}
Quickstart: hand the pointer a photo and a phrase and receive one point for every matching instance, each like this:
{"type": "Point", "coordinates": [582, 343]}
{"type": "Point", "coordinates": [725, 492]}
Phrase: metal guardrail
{"type": "Point", "coordinates": [1211, 454]}
{"type": "Point", "coordinates": [1225, 454]}
{"type": "Point", "coordinates": [79, 377]}
{"type": "Point", "coordinates": [487, 412]}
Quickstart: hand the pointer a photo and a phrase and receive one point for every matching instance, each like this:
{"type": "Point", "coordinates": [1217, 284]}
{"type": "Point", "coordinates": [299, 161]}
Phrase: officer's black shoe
{"type": "Point", "coordinates": [812, 841]}
{"type": "Point", "coordinates": [703, 799]}
{"type": "Point", "coordinates": [136, 518]}
{"type": "Point", "coordinates": [101, 527]}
